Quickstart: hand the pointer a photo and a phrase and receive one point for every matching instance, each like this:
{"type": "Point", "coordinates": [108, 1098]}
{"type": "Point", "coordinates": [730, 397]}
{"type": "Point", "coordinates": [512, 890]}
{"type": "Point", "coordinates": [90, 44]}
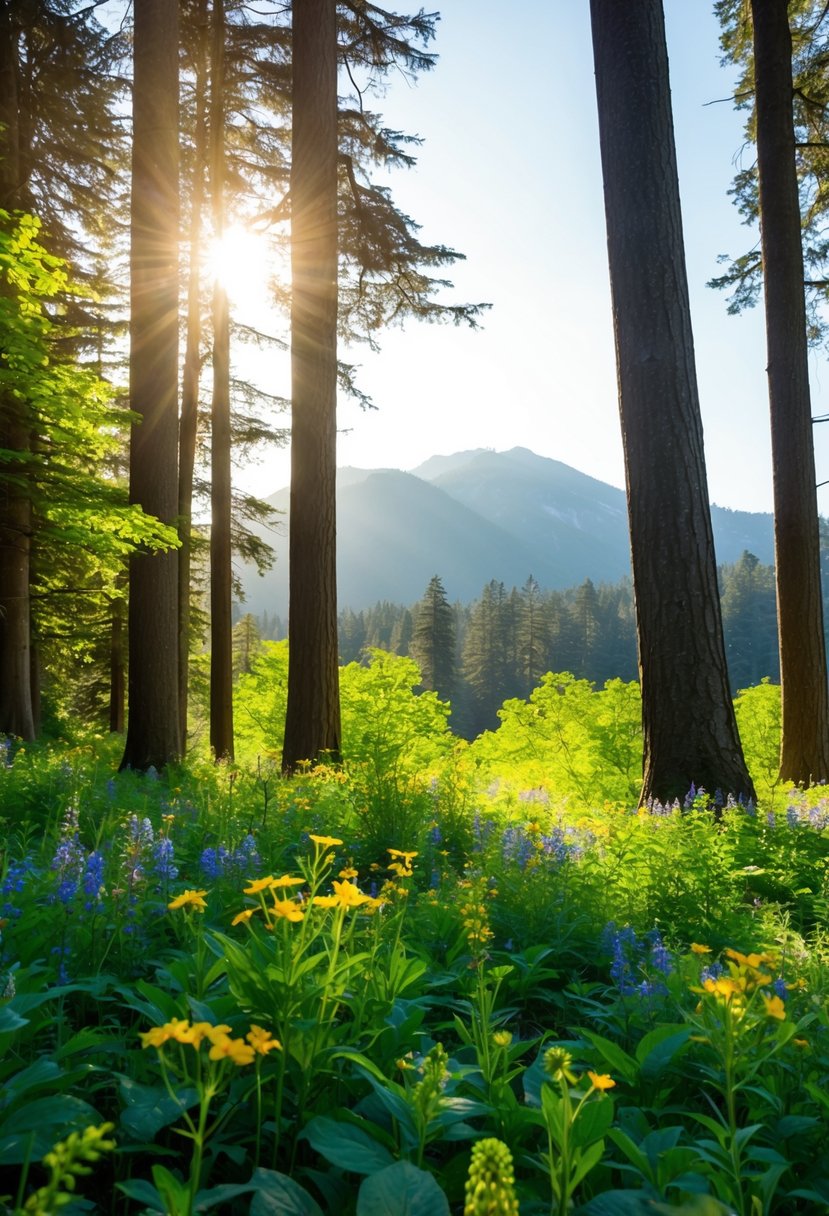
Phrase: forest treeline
{"type": "Point", "coordinates": [478, 655]}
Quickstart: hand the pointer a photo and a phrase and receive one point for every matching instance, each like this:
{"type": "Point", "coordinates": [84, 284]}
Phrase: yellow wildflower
{"type": "Point", "coordinates": [398, 854]}
{"type": "Point", "coordinates": [236, 1050]}
{"type": "Point", "coordinates": [749, 960]}
{"type": "Point", "coordinates": [325, 842]}
{"type": "Point", "coordinates": [289, 909]}
{"type": "Point", "coordinates": [242, 918]}
{"type": "Point", "coordinates": [260, 884]}
{"type": "Point", "coordinates": [155, 1036]}
{"type": "Point", "coordinates": [724, 987]}
{"type": "Point", "coordinates": [696, 948]}
{"type": "Point", "coordinates": [349, 894]}
{"type": "Point", "coordinates": [800, 1043]}
{"type": "Point", "coordinates": [600, 1080]}
{"type": "Point", "coordinates": [277, 884]}
{"type": "Point", "coordinates": [325, 901]}
{"type": "Point", "coordinates": [502, 1038]}
{"type": "Point", "coordinates": [262, 1041]}
{"type": "Point", "coordinates": [348, 872]}
{"type": "Point", "coordinates": [401, 870]}
{"type": "Point", "coordinates": [774, 1007]}
{"type": "Point", "coordinates": [189, 899]}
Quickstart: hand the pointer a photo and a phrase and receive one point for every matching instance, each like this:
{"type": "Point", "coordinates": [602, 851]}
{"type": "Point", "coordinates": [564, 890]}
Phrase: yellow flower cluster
{"type": "Point", "coordinates": [745, 976]}
{"type": "Point", "coordinates": [222, 1047]}
{"type": "Point", "coordinates": [475, 921]}
{"type": "Point", "coordinates": [401, 862]}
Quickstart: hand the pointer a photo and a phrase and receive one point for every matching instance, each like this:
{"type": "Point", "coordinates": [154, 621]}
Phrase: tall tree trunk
{"type": "Point", "coordinates": [153, 735]}
{"type": "Point", "coordinates": [117, 673]}
{"type": "Point", "coordinates": [804, 754]}
{"type": "Point", "coordinates": [16, 711]}
{"type": "Point", "coordinates": [221, 625]}
{"type": "Point", "coordinates": [188, 423]}
{"type": "Point", "coordinates": [312, 725]}
{"type": "Point", "coordinates": [690, 732]}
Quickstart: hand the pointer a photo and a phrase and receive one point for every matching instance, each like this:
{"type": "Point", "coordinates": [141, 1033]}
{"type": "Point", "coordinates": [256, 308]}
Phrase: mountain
{"type": "Point", "coordinates": [474, 516]}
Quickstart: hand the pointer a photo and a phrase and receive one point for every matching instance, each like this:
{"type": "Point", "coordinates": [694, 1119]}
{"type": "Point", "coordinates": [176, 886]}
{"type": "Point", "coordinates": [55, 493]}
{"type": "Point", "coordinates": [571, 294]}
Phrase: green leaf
{"type": "Point", "coordinates": [278, 1195]}
{"type": "Point", "coordinates": [593, 1121]}
{"type": "Point", "coordinates": [11, 1020]}
{"type": "Point", "coordinates": [344, 1145]}
{"type": "Point", "coordinates": [659, 1047]}
{"type": "Point", "coordinates": [149, 1108]}
{"type": "Point", "coordinates": [401, 1190]}
{"type": "Point", "coordinates": [175, 1195]}
{"type": "Point", "coordinates": [142, 1192]}
{"type": "Point", "coordinates": [591, 1157]}
{"type": "Point", "coordinates": [612, 1054]}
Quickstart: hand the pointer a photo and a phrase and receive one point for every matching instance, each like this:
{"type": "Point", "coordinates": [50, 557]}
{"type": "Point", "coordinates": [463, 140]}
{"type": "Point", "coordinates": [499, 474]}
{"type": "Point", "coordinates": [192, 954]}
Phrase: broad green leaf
{"type": "Point", "coordinates": [401, 1190]}
{"type": "Point", "coordinates": [278, 1195]}
{"type": "Point", "coordinates": [344, 1145]}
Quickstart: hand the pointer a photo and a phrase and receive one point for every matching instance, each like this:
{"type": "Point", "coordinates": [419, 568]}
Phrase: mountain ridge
{"type": "Point", "coordinates": [474, 516]}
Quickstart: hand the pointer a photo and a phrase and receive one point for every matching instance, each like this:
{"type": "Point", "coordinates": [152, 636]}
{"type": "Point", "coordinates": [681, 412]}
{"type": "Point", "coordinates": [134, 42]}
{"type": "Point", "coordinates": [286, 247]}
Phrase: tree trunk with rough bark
{"type": "Point", "coordinates": [153, 735]}
{"type": "Point", "coordinates": [191, 372]}
{"type": "Point", "coordinates": [690, 732]}
{"type": "Point", "coordinates": [312, 725]}
{"type": "Point", "coordinates": [221, 624]}
{"type": "Point", "coordinates": [804, 753]}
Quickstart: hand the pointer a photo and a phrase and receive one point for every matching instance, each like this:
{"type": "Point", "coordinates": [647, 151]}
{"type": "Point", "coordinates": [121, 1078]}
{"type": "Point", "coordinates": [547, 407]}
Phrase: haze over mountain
{"type": "Point", "coordinates": [474, 516]}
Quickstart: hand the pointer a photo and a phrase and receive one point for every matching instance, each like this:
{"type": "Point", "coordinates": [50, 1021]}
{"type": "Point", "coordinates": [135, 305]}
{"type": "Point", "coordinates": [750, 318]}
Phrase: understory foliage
{"type": "Point", "coordinates": [445, 977]}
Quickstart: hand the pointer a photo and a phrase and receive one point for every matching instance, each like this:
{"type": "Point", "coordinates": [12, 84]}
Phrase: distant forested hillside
{"type": "Point", "coordinates": [506, 639]}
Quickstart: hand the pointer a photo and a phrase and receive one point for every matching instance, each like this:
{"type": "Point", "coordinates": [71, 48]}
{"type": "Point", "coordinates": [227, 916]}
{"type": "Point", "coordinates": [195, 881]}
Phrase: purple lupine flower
{"type": "Point", "coordinates": [68, 861]}
{"type": "Point", "coordinates": [792, 816]}
{"type": "Point", "coordinates": [93, 879]}
{"type": "Point", "coordinates": [212, 862]}
{"type": "Point", "coordinates": [164, 867]}
{"type": "Point", "coordinates": [780, 988]}
{"type": "Point", "coordinates": [13, 884]}
{"type": "Point", "coordinates": [712, 972]}
{"type": "Point", "coordinates": [661, 957]}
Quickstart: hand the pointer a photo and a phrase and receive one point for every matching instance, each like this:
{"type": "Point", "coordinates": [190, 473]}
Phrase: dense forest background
{"type": "Point", "coordinates": [478, 655]}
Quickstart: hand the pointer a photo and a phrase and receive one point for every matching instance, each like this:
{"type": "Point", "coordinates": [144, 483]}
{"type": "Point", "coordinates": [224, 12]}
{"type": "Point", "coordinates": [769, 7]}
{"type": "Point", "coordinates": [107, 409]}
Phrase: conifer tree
{"type": "Point", "coordinates": [433, 640]}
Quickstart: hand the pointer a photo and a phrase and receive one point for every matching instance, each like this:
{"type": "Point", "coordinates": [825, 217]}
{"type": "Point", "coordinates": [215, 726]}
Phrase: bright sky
{"type": "Point", "coordinates": [509, 175]}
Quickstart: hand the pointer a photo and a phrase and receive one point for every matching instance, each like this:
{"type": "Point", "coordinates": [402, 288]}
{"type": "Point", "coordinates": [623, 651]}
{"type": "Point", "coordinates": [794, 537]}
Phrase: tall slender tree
{"type": "Point", "coordinates": [804, 753]}
{"type": "Point", "coordinates": [191, 371]}
{"type": "Point", "coordinates": [153, 734]}
{"type": "Point", "coordinates": [690, 732]}
{"type": "Point", "coordinates": [433, 640]}
{"type": "Point", "coordinates": [221, 592]}
{"type": "Point", "coordinates": [312, 725]}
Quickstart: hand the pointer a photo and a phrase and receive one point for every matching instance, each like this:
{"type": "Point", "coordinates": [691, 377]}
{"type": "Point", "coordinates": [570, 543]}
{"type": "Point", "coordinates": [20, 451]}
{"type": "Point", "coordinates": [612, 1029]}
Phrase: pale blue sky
{"type": "Point", "coordinates": [509, 174]}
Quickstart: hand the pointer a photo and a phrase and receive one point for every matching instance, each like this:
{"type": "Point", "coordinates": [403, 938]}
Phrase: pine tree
{"type": "Point", "coordinates": [433, 640]}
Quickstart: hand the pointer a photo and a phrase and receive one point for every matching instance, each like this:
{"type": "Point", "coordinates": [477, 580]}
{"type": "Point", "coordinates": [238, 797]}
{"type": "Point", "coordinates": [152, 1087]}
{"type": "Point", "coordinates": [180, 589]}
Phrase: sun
{"type": "Point", "coordinates": [240, 261]}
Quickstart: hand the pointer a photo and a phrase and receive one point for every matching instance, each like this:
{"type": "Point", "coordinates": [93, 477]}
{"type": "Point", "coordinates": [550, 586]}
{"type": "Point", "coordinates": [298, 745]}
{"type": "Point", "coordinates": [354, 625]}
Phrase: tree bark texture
{"type": "Point", "coordinates": [312, 726]}
{"type": "Point", "coordinates": [16, 712]}
{"type": "Point", "coordinates": [804, 754]}
{"type": "Point", "coordinates": [16, 709]}
{"type": "Point", "coordinates": [690, 732]}
{"type": "Point", "coordinates": [221, 627]}
{"type": "Point", "coordinates": [191, 373]}
{"type": "Point", "coordinates": [153, 736]}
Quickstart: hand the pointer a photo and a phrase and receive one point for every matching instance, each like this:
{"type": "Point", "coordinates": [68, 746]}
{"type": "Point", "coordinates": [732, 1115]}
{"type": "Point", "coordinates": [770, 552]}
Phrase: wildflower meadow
{"type": "Point", "coordinates": [441, 978]}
